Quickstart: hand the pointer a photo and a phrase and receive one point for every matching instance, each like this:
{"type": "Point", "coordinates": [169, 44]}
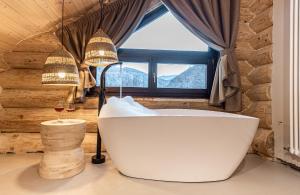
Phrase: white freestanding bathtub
{"type": "Point", "coordinates": [175, 144]}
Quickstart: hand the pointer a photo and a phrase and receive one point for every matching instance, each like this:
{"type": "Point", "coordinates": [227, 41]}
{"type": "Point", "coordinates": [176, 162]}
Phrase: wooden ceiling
{"type": "Point", "coordinates": [21, 19]}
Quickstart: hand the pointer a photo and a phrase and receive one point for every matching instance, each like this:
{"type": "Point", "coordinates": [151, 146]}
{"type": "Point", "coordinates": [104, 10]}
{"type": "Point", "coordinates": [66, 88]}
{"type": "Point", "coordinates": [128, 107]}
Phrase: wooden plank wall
{"type": "Point", "coordinates": [26, 103]}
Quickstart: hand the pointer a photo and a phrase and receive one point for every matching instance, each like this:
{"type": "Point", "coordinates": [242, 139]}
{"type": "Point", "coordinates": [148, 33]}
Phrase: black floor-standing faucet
{"type": "Point", "coordinates": [100, 158]}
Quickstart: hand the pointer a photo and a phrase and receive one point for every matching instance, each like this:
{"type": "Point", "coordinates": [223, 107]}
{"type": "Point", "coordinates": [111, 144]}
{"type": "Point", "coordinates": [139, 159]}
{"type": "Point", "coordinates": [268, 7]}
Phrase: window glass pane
{"type": "Point", "coordinates": [165, 33]}
{"type": "Point", "coordinates": [133, 74]}
{"type": "Point", "coordinates": [182, 76]}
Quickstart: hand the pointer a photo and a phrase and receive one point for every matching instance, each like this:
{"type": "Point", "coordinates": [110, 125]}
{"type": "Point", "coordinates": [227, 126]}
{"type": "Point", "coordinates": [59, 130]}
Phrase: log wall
{"type": "Point", "coordinates": [26, 103]}
{"type": "Point", "coordinates": [254, 52]}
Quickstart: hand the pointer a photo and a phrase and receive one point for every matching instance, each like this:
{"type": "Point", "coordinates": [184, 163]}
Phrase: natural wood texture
{"type": "Point", "coordinates": [3, 68]}
{"type": "Point", "coordinates": [29, 60]}
{"type": "Point", "coordinates": [21, 78]}
{"type": "Point", "coordinates": [3, 65]}
{"type": "Point", "coordinates": [28, 119]}
{"type": "Point", "coordinates": [255, 62]}
{"type": "Point", "coordinates": [263, 142]}
{"type": "Point", "coordinates": [246, 102]}
{"type": "Point", "coordinates": [246, 84]}
{"type": "Point", "coordinates": [243, 45]}
{"type": "Point", "coordinates": [22, 19]}
{"type": "Point", "coordinates": [32, 53]}
{"type": "Point", "coordinates": [246, 15]}
{"type": "Point", "coordinates": [63, 157]}
{"type": "Point", "coordinates": [246, 3]}
{"type": "Point", "coordinates": [243, 53]}
{"type": "Point", "coordinates": [261, 110]}
{"type": "Point", "coordinates": [42, 43]}
{"type": "Point", "coordinates": [260, 5]}
{"type": "Point", "coordinates": [261, 75]}
{"type": "Point", "coordinates": [31, 142]}
{"type": "Point", "coordinates": [24, 79]}
{"type": "Point", "coordinates": [262, 39]}
{"type": "Point", "coordinates": [245, 33]}
{"type": "Point", "coordinates": [245, 67]}
{"type": "Point", "coordinates": [20, 142]}
{"type": "Point", "coordinates": [262, 21]}
{"type": "Point", "coordinates": [166, 103]}
{"type": "Point", "coordinates": [24, 98]}
{"type": "Point", "coordinates": [261, 57]}
{"type": "Point", "coordinates": [1, 90]}
{"type": "Point", "coordinates": [260, 92]}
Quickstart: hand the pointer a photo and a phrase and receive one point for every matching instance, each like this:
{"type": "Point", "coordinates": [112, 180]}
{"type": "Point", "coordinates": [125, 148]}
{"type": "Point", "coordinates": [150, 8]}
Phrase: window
{"type": "Point", "coordinates": [133, 75]}
{"type": "Point", "coordinates": [181, 76]}
{"type": "Point", "coordinates": [162, 59]}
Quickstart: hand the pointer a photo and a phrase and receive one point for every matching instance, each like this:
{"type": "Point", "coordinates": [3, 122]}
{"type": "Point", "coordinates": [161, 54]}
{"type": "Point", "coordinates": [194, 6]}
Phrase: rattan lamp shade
{"type": "Point", "coordinates": [100, 50]}
{"type": "Point", "coordinates": [60, 69]}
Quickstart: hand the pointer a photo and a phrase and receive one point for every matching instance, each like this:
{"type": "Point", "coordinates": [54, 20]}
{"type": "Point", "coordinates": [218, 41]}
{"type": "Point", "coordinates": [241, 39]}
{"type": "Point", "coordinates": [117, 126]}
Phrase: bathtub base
{"type": "Point", "coordinates": [177, 181]}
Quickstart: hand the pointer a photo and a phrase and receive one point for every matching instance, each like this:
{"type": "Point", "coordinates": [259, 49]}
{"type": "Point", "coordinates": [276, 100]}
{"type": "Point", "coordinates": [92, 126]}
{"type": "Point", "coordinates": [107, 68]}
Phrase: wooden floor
{"type": "Point", "coordinates": [18, 175]}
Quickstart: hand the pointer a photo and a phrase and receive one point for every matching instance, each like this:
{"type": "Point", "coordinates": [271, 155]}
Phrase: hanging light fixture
{"type": "Point", "coordinates": [100, 50]}
{"type": "Point", "coordinates": [60, 67]}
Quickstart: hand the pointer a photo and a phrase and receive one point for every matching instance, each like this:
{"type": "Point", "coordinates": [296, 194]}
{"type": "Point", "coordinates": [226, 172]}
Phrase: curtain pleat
{"type": "Point", "coordinates": [213, 21]}
{"type": "Point", "coordinates": [216, 23]}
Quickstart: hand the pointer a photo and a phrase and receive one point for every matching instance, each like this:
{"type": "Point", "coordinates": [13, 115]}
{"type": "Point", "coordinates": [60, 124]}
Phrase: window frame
{"type": "Point", "coordinates": [153, 57]}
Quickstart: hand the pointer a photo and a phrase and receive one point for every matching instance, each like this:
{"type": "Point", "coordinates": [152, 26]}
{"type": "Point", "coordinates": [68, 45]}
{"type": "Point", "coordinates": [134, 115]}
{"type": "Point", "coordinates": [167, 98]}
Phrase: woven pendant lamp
{"type": "Point", "coordinates": [100, 50]}
{"type": "Point", "coordinates": [60, 67]}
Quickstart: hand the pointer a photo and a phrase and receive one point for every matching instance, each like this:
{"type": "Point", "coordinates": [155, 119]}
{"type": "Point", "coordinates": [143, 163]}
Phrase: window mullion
{"type": "Point", "coordinates": [154, 68]}
{"type": "Point", "coordinates": [152, 75]}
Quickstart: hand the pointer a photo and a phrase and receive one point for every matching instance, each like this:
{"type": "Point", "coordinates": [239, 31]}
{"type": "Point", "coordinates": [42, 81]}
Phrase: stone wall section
{"type": "Point", "coordinates": [254, 54]}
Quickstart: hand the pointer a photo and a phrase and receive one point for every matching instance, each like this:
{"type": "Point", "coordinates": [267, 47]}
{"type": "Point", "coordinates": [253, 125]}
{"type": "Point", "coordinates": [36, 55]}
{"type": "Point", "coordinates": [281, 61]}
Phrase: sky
{"type": "Point", "coordinates": [165, 33]}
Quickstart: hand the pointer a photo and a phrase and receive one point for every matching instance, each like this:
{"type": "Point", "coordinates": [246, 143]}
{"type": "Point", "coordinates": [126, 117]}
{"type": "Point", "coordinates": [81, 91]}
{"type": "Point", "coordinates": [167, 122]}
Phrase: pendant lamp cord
{"type": "Point", "coordinates": [62, 22]}
{"type": "Point", "coordinates": [101, 3]}
{"type": "Point", "coordinates": [62, 26]}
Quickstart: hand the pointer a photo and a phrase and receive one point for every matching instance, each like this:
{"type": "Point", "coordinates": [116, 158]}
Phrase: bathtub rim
{"type": "Point", "coordinates": [226, 114]}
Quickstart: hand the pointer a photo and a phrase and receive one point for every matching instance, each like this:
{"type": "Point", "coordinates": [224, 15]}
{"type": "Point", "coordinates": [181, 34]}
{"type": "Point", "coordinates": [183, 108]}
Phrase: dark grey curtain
{"type": "Point", "coordinates": [216, 23]}
{"type": "Point", "coordinates": [120, 20]}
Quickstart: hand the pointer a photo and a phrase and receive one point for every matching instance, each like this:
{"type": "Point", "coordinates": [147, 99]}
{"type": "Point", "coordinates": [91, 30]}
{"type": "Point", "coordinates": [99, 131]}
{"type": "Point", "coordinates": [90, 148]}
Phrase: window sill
{"type": "Point", "coordinates": [161, 99]}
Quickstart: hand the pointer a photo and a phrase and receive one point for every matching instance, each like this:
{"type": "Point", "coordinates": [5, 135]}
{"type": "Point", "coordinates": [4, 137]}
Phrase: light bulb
{"type": "Point", "coordinates": [61, 75]}
{"type": "Point", "coordinates": [101, 52]}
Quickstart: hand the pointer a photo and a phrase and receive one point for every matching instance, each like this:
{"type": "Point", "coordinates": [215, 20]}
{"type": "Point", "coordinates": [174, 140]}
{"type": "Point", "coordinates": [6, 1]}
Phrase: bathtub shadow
{"type": "Point", "coordinates": [29, 179]}
{"type": "Point", "coordinates": [215, 187]}
{"type": "Point", "coordinates": [249, 163]}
